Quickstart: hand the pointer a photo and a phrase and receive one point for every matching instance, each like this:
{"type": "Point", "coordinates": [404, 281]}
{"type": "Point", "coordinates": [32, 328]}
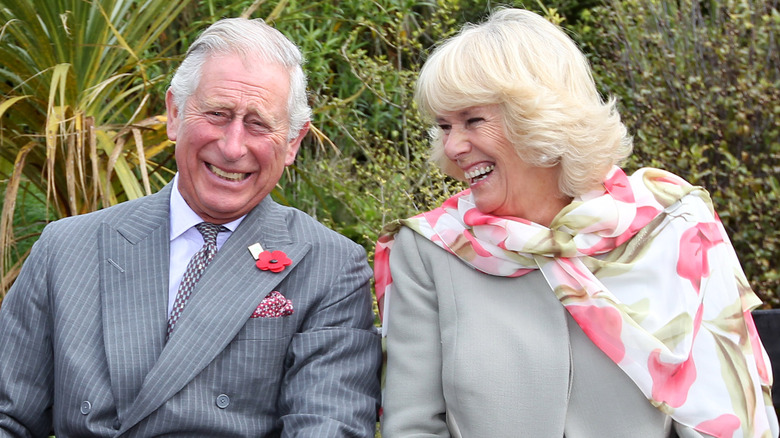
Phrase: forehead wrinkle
{"type": "Point", "coordinates": [264, 93]}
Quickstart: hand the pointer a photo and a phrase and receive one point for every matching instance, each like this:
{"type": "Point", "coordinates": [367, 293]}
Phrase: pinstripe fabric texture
{"type": "Point", "coordinates": [83, 350]}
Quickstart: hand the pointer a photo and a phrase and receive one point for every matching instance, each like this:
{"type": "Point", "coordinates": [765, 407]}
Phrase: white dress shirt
{"type": "Point", "coordinates": [186, 240]}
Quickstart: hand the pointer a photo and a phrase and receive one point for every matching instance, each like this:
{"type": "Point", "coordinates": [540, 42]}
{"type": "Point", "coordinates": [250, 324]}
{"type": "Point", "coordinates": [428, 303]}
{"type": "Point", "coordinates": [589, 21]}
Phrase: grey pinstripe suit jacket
{"type": "Point", "coordinates": [82, 333]}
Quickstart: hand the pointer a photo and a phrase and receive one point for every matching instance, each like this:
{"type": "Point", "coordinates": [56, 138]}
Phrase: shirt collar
{"type": "Point", "coordinates": [183, 217]}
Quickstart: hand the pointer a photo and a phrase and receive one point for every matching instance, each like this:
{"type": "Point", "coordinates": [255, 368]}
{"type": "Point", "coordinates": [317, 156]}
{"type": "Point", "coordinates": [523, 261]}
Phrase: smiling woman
{"type": "Point", "coordinates": [558, 295]}
{"type": "Point", "coordinates": [501, 182]}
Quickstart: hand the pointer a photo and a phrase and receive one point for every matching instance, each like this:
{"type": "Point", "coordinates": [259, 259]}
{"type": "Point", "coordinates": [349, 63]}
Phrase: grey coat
{"type": "Point", "coordinates": [473, 355]}
{"type": "Point", "coordinates": [82, 333]}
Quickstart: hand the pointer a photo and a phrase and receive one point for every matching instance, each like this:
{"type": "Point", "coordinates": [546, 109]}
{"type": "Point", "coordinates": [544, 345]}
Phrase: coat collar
{"type": "Point", "coordinates": [134, 255]}
{"type": "Point", "coordinates": [221, 303]}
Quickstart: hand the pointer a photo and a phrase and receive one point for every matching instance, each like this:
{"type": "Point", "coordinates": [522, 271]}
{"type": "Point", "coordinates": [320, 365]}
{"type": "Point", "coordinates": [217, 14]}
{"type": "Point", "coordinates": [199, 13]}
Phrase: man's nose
{"type": "Point", "coordinates": [233, 144]}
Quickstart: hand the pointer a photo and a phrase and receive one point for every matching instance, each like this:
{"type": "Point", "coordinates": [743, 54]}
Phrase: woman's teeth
{"type": "Point", "coordinates": [479, 173]}
{"type": "Point", "coordinates": [230, 176]}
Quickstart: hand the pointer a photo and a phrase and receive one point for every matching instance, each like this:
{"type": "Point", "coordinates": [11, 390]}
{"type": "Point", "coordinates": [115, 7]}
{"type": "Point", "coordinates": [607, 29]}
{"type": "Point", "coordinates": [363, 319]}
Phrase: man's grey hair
{"type": "Point", "coordinates": [251, 40]}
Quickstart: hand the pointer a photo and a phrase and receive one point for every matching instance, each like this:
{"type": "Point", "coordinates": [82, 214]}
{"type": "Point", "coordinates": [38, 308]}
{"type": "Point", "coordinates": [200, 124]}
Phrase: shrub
{"type": "Point", "coordinates": [699, 84]}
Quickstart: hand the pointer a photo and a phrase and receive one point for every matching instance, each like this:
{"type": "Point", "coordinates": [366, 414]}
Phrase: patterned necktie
{"type": "Point", "coordinates": [195, 269]}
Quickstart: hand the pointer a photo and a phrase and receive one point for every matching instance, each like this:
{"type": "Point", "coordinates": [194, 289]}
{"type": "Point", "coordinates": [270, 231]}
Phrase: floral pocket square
{"type": "Point", "coordinates": [274, 305]}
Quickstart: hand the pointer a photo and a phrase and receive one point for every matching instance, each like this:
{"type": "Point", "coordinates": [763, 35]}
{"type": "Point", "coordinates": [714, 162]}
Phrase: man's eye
{"type": "Point", "coordinates": [257, 127]}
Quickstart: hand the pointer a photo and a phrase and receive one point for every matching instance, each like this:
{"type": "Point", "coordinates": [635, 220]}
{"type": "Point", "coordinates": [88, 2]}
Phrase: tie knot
{"type": "Point", "coordinates": [210, 231]}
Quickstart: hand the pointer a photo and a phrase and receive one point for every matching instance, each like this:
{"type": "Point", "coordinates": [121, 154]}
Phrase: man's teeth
{"type": "Point", "coordinates": [232, 176]}
{"type": "Point", "coordinates": [480, 171]}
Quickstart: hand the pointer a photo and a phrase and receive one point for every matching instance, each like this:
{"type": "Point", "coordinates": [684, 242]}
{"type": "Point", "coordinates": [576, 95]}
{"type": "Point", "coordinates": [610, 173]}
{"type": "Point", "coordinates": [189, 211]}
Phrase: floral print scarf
{"type": "Point", "coordinates": [645, 267]}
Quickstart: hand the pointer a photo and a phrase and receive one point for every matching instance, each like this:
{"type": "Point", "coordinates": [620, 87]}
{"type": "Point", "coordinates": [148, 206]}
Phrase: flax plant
{"type": "Point", "coordinates": [77, 79]}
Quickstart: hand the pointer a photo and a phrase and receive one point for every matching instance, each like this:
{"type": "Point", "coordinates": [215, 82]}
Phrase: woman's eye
{"type": "Point", "coordinates": [474, 120]}
{"type": "Point", "coordinates": [445, 128]}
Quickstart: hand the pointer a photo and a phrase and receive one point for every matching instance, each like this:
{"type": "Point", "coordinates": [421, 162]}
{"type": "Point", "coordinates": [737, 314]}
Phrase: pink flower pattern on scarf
{"type": "Point", "coordinates": [693, 349]}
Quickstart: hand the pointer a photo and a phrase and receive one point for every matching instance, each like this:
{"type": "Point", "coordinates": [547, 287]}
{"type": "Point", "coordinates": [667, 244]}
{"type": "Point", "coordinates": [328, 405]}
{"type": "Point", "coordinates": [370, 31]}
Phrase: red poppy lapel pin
{"type": "Point", "coordinates": [274, 261]}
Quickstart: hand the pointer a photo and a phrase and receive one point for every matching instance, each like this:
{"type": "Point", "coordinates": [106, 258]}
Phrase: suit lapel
{"type": "Point", "coordinates": [221, 303]}
{"type": "Point", "coordinates": [134, 278]}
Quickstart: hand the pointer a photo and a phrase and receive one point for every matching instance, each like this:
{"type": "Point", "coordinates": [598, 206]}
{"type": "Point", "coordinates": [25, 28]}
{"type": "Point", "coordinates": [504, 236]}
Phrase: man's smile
{"type": "Point", "coordinates": [230, 176]}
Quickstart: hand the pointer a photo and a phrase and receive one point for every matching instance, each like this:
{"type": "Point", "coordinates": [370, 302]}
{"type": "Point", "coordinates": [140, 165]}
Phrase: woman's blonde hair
{"type": "Point", "coordinates": [542, 82]}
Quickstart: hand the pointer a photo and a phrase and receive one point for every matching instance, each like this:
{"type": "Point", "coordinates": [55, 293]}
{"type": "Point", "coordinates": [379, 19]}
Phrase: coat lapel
{"type": "Point", "coordinates": [221, 303]}
{"type": "Point", "coordinates": [134, 279]}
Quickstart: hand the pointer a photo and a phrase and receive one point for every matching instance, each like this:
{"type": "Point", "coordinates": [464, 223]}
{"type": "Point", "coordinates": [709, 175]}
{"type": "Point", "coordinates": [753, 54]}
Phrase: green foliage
{"type": "Point", "coordinates": [699, 84]}
{"type": "Point", "coordinates": [75, 84]}
{"type": "Point", "coordinates": [697, 81]}
{"type": "Point", "coordinates": [380, 171]}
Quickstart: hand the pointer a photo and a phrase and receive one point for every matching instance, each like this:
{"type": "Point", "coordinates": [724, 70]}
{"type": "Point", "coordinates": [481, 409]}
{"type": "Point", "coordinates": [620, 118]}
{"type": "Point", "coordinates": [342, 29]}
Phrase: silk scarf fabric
{"type": "Point", "coordinates": [646, 269]}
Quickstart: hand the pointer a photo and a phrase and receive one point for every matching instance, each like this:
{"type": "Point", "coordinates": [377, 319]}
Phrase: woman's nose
{"type": "Point", "coordinates": [456, 144]}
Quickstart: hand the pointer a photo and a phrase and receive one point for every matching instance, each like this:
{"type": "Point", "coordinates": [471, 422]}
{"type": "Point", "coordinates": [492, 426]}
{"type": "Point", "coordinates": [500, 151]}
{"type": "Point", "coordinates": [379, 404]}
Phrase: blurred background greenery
{"type": "Point", "coordinates": [82, 112]}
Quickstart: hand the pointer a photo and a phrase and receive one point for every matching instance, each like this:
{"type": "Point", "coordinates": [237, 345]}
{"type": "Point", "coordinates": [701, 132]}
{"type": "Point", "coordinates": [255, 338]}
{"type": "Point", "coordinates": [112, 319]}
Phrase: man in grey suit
{"type": "Point", "coordinates": [100, 336]}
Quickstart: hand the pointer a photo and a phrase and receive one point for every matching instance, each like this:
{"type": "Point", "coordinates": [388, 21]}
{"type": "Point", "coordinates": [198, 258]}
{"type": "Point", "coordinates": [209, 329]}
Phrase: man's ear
{"type": "Point", "coordinates": [173, 115]}
{"type": "Point", "coordinates": [295, 144]}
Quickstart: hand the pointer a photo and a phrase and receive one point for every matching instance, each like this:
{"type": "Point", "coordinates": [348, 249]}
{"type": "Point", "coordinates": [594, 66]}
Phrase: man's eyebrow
{"type": "Point", "coordinates": [216, 103]}
{"type": "Point", "coordinates": [263, 114]}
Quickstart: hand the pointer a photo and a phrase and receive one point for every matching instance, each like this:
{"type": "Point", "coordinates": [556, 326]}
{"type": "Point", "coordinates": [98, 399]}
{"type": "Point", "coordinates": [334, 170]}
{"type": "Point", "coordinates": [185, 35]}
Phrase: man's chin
{"type": "Point", "coordinates": [222, 212]}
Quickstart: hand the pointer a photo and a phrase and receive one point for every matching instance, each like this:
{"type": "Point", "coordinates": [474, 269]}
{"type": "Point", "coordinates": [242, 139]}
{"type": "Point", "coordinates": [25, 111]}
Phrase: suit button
{"type": "Point", "coordinates": [117, 424]}
{"type": "Point", "coordinates": [223, 401]}
{"type": "Point", "coordinates": [86, 406]}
